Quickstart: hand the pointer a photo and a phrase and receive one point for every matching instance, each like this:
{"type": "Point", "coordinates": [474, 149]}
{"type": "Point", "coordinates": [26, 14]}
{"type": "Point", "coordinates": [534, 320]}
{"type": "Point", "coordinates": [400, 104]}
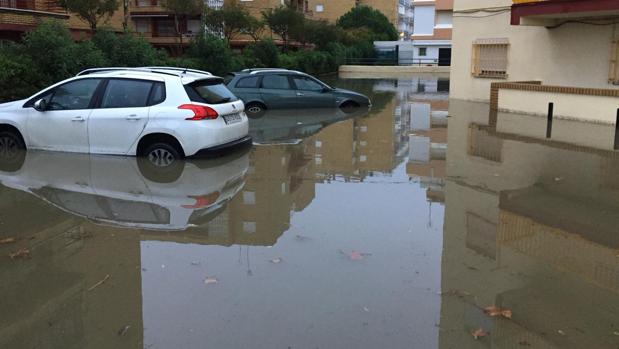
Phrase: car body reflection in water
{"type": "Point", "coordinates": [127, 191]}
{"type": "Point", "coordinates": [292, 126]}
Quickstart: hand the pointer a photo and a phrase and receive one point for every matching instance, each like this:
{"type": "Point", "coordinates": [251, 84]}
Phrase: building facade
{"type": "Point", "coordinates": [566, 49]}
{"type": "Point", "coordinates": [432, 31]}
{"type": "Point", "coordinates": [20, 16]}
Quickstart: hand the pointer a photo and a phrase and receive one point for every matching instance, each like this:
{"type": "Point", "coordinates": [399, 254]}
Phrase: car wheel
{"type": "Point", "coordinates": [161, 163]}
{"type": "Point", "coordinates": [12, 151]}
{"type": "Point", "coordinates": [255, 110]}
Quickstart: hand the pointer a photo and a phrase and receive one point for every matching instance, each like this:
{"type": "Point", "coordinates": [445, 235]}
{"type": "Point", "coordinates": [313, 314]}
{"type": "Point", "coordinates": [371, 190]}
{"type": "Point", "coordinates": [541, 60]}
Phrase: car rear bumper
{"type": "Point", "coordinates": [240, 143]}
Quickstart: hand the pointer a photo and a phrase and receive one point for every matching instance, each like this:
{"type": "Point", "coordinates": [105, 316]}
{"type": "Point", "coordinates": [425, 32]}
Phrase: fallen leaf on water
{"type": "Point", "coordinates": [301, 238]}
{"type": "Point", "coordinates": [355, 255]}
{"type": "Point", "coordinates": [366, 309]}
{"type": "Point", "coordinates": [210, 280]}
{"type": "Point", "coordinates": [561, 332]}
{"type": "Point", "coordinates": [276, 260]}
{"type": "Point", "coordinates": [616, 333]}
{"type": "Point", "coordinates": [479, 333]}
{"type": "Point", "coordinates": [123, 331]}
{"type": "Point", "coordinates": [23, 253]}
{"type": "Point", "coordinates": [496, 311]}
{"type": "Point", "coordinates": [7, 241]}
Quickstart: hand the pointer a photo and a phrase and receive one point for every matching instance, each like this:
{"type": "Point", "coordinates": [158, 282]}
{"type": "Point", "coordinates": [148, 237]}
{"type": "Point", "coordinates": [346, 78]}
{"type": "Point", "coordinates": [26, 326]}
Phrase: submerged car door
{"type": "Point", "coordinates": [277, 92]}
{"type": "Point", "coordinates": [63, 125]}
{"type": "Point", "coordinates": [122, 114]}
{"type": "Point", "coordinates": [312, 94]}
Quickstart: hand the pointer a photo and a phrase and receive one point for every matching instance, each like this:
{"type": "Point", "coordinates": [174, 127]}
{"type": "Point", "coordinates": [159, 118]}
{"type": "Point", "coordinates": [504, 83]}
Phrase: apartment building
{"type": "Point", "coordinates": [399, 12]}
{"type": "Point", "coordinates": [432, 31]}
{"type": "Point", "coordinates": [20, 16]}
{"type": "Point", "coordinates": [568, 51]}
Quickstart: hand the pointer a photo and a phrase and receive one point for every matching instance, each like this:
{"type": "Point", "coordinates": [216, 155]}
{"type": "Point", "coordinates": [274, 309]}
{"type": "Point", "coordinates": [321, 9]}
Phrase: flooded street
{"type": "Point", "coordinates": [370, 229]}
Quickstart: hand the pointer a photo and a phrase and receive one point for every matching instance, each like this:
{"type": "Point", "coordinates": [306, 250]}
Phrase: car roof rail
{"type": "Point", "coordinates": [269, 70]}
{"type": "Point", "coordinates": [181, 70]}
{"type": "Point", "coordinates": [142, 70]}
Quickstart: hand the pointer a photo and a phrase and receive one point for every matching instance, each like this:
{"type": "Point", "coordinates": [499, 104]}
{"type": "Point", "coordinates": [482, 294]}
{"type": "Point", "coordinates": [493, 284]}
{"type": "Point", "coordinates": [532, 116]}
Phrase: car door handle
{"type": "Point", "coordinates": [78, 119]}
{"type": "Point", "coordinates": [133, 117]}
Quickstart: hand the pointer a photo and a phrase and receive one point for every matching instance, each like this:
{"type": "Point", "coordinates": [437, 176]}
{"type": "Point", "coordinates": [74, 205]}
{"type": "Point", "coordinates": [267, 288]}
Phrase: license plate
{"type": "Point", "coordinates": [232, 118]}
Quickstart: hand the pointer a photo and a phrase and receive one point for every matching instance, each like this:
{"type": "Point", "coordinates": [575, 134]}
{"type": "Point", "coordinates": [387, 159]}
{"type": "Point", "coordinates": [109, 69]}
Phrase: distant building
{"type": "Point", "coordinates": [432, 31]}
{"type": "Point", "coordinates": [20, 16]}
{"type": "Point", "coordinates": [567, 51]}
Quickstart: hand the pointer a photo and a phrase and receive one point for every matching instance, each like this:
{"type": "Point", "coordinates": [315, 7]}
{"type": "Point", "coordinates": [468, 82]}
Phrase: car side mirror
{"type": "Point", "coordinates": [40, 105]}
{"type": "Point", "coordinates": [325, 89]}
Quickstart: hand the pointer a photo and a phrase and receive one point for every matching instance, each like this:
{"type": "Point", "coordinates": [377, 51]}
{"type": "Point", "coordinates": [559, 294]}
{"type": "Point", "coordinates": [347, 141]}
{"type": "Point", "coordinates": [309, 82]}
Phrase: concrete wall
{"type": "Point", "coordinates": [571, 55]}
{"type": "Point", "coordinates": [569, 106]}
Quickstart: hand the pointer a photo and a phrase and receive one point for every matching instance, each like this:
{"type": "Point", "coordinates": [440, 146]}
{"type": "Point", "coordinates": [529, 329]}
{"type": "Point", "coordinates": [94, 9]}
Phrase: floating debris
{"type": "Point", "coordinates": [355, 255]}
{"type": "Point", "coordinates": [479, 333]}
{"type": "Point", "coordinates": [276, 260]}
{"type": "Point", "coordinates": [99, 283]}
{"type": "Point", "coordinates": [7, 241]}
{"type": "Point", "coordinates": [23, 253]}
{"type": "Point", "coordinates": [496, 311]}
{"type": "Point", "coordinates": [123, 331]}
{"type": "Point", "coordinates": [210, 280]}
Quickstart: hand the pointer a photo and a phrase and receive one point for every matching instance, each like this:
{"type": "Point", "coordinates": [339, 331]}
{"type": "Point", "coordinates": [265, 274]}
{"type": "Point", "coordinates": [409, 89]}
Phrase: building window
{"type": "Point", "coordinates": [613, 76]}
{"type": "Point", "coordinates": [320, 8]}
{"type": "Point", "coordinates": [423, 51]}
{"type": "Point", "coordinates": [490, 58]}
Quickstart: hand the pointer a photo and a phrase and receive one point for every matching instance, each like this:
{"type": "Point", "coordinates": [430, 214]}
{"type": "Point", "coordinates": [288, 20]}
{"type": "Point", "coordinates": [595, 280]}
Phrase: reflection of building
{"type": "Point", "coordinates": [565, 36]}
{"type": "Point", "coordinates": [530, 225]}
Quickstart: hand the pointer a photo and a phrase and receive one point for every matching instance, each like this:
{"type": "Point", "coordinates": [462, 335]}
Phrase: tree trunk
{"type": "Point", "coordinates": [180, 35]}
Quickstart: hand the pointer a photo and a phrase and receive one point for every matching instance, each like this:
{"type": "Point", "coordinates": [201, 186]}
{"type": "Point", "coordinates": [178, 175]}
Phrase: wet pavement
{"type": "Point", "coordinates": [372, 229]}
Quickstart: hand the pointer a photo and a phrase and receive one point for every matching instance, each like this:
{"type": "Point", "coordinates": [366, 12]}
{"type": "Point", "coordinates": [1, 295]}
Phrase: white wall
{"type": "Point", "coordinates": [571, 55]}
{"type": "Point", "coordinates": [424, 20]}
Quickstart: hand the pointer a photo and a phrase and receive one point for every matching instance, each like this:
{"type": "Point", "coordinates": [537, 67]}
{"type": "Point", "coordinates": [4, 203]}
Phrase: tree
{"type": "Point", "coordinates": [372, 19]}
{"type": "Point", "coordinates": [255, 28]}
{"type": "Point", "coordinates": [92, 11]}
{"type": "Point", "coordinates": [283, 20]}
{"type": "Point", "coordinates": [231, 20]}
{"type": "Point", "coordinates": [182, 9]}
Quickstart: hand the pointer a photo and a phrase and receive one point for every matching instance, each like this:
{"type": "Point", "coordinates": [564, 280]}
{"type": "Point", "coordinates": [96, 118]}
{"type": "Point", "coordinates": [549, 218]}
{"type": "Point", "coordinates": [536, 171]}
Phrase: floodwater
{"type": "Point", "coordinates": [375, 229]}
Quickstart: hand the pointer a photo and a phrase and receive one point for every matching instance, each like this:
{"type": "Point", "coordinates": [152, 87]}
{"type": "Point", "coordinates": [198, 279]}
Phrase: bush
{"type": "Point", "coordinates": [211, 53]}
{"type": "Point", "coordinates": [263, 54]}
{"type": "Point", "coordinates": [127, 49]}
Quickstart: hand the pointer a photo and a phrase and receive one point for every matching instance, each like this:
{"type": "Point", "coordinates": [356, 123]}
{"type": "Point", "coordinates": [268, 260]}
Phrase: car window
{"type": "Point", "coordinates": [74, 95]}
{"type": "Point", "coordinates": [157, 95]}
{"type": "Point", "coordinates": [307, 84]}
{"type": "Point", "coordinates": [211, 91]}
{"type": "Point", "coordinates": [278, 82]}
{"type": "Point", "coordinates": [250, 82]}
{"type": "Point", "coordinates": [125, 93]}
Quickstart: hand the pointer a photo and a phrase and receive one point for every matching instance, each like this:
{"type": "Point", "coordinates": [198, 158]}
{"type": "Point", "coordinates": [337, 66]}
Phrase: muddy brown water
{"type": "Point", "coordinates": [374, 229]}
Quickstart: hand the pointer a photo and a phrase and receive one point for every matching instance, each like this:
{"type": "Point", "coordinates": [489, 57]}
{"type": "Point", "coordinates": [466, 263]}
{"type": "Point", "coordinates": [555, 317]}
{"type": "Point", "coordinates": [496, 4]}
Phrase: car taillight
{"type": "Point", "coordinates": [200, 112]}
{"type": "Point", "coordinates": [203, 201]}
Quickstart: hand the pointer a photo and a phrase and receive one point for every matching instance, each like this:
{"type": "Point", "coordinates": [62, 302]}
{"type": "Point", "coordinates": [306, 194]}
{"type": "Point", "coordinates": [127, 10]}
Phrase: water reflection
{"type": "Point", "coordinates": [530, 225]}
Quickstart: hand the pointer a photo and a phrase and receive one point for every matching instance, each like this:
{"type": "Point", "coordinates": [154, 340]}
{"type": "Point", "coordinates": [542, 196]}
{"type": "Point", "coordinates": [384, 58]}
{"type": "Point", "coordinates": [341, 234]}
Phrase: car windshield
{"type": "Point", "coordinates": [211, 91]}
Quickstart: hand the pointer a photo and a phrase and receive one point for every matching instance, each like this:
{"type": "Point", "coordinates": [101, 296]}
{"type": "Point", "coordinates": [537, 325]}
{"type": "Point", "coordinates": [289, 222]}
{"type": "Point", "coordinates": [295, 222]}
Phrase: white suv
{"type": "Point", "coordinates": [159, 112]}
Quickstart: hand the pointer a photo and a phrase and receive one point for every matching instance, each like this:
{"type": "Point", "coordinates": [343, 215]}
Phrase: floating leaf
{"type": "Point", "coordinates": [23, 253]}
{"type": "Point", "coordinates": [496, 311]}
{"type": "Point", "coordinates": [123, 331]}
{"type": "Point", "coordinates": [276, 260]}
{"type": "Point", "coordinates": [479, 333]}
{"type": "Point", "coordinates": [355, 255]}
{"type": "Point", "coordinates": [7, 241]}
{"type": "Point", "coordinates": [210, 280]}
{"type": "Point", "coordinates": [561, 332]}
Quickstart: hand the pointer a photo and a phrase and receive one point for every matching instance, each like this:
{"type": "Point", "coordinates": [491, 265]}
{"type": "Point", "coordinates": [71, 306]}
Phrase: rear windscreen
{"type": "Point", "coordinates": [211, 91]}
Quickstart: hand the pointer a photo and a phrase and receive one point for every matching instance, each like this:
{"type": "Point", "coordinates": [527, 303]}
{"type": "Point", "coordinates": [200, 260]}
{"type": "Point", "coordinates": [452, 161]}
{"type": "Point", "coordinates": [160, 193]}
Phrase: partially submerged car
{"type": "Point", "coordinates": [158, 112]}
{"type": "Point", "coordinates": [265, 89]}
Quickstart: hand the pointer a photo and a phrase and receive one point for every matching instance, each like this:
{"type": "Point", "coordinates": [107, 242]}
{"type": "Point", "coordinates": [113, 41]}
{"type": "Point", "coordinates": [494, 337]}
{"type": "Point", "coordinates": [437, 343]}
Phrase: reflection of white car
{"type": "Point", "coordinates": [162, 113]}
{"type": "Point", "coordinates": [122, 191]}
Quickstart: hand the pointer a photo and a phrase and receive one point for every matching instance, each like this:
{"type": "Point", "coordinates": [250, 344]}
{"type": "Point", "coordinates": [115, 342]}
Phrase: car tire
{"type": "Point", "coordinates": [161, 163]}
{"type": "Point", "coordinates": [255, 110]}
{"type": "Point", "coordinates": [12, 151]}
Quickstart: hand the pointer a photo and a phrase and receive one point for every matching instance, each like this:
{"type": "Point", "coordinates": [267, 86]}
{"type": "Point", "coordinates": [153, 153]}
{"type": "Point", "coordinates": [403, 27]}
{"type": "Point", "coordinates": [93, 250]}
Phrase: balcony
{"type": "Point", "coordinates": [554, 12]}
